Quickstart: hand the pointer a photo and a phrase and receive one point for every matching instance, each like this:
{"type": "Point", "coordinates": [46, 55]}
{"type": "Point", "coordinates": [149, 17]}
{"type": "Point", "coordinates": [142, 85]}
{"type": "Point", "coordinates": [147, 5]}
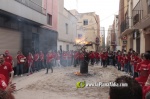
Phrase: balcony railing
{"type": "Point", "coordinates": [124, 25]}
{"type": "Point", "coordinates": [33, 5]}
{"type": "Point", "coordinates": [137, 13]}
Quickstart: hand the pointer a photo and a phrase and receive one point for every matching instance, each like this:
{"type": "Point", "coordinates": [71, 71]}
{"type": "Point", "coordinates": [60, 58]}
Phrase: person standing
{"type": "Point", "coordinates": [49, 61]}
{"type": "Point", "coordinates": [30, 63]}
{"type": "Point", "coordinates": [6, 70]}
{"type": "Point", "coordinates": [6, 90]}
{"type": "Point", "coordinates": [8, 57]}
{"type": "Point", "coordinates": [36, 61]}
{"type": "Point", "coordinates": [20, 63]}
{"type": "Point", "coordinates": [58, 59]}
{"type": "Point", "coordinates": [41, 60]}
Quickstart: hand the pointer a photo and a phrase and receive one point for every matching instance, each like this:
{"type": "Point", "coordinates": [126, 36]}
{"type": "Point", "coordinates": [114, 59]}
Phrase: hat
{"type": "Point", "coordinates": [6, 52]}
{"type": "Point", "coordinates": [144, 67]}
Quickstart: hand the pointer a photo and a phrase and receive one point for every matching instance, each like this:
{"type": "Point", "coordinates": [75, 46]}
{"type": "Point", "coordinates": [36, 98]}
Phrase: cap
{"type": "Point", "coordinates": [144, 68]}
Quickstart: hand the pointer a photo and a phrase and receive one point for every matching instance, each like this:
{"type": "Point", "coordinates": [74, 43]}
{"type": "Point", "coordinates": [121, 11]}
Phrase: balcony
{"type": "Point", "coordinates": [24, 9]}
{"type": "Point", "coordinates": [141, 21]}
{"type": "Point", "coordinates": [125, 28]}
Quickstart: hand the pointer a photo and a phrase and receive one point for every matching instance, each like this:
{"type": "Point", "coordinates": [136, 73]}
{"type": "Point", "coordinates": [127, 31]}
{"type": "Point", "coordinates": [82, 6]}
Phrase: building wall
{"type": "Point", "coordinates": [21, 10]}
{"type": "Point", "coordinates": [64, 37]}
{"type": "Point", "coordinates": [121, 19]}
{"type": "Point", "coordinates": [90, 30]}
{"type": "Point", "coordinates": [144, 6]}
{"type": "Point", "coordinates": [102, 37]}
{"type": "Point", "coordinates": [51, 7]}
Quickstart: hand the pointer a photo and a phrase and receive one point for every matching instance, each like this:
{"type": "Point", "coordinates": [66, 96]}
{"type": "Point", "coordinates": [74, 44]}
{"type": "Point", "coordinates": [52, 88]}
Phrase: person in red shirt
{"type": "Point", "coordinates": [30, 63]}
{"type": "Point", "coordinates": [126, 63]}
{"type": "Point", "coordinates": [36, 61]}
{"type": "Point", "coordinates": [8, 57]}
{"type": "Point", "coordinates": [92, 57]}
{"type": "Point", "coordinates": [119, 61]}
{"type": "Point", "coordinates": [104, 60]}
{"type": "Point", "coordinates": [97, 57]}
{"type": "Point", "coordinates": [6, 70]}
{"type": "Point", "coordinates": [41, 60]}
{"type": "Point", "coordinates": [49, 61]}
{"type": "Point", "coordinates": [8, 89]}
{"type": "Point", "coordinates": [144, 73]}
{"type": "Point", "coordinates": [20, 63]}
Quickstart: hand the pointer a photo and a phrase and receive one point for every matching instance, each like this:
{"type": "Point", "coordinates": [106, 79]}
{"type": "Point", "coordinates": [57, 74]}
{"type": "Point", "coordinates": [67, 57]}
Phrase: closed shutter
{"type": "Point", "coordinates": [10, 40]}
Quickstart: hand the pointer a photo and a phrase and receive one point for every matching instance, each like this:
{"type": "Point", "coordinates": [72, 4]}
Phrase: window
{"type": "Point", "coordinates": [67, 47]}
{"type": "Point", "coordinates": [85, 22]}
{"type": "Point", "coordinates": [79, 36]}
{"type": "Point", "coordinates": [49, 19]}
{"type": "Point", "coordinates": [66, 28]}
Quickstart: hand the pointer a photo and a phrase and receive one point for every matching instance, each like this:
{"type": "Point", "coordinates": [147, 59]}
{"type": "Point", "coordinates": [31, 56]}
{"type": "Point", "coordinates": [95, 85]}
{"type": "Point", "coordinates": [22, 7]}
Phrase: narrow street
{"type": "Point", "coordinates": [61, 84]}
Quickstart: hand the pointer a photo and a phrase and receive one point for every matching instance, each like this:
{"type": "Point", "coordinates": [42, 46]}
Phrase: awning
{"type": "Point", "coordinates": [143, 23]}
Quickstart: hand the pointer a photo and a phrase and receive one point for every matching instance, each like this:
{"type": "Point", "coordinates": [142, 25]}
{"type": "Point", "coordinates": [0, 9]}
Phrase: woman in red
{"type": "Point", "coordinates": [30, 63]}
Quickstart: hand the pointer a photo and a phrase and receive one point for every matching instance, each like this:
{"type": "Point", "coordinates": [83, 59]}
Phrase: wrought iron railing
{"type": "Point", "coordinates": [124, 25]}
{"type": "Point", "coordinates": [33, 5]}
{"type": "Point", "coordinates": [137, 13]}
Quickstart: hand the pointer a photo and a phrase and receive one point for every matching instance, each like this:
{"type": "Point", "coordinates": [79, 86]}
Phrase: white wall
{"type": "Point", "coordinates": [65, 17]}
{"type": "Point", "coordinates": [19, 9]}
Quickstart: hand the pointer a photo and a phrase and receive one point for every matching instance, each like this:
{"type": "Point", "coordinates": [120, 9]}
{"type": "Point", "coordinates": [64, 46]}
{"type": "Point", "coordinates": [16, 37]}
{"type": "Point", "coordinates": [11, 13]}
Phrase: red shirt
{"type": "Point", "coordinates": [65, 56]}
{"type": "Point", "coordinates": [145, 90]}
{"type": "Point", "coordinates": [97, 55]}
{"type": "Point", "coordinates": [119, 58]}
{"type": "Point", "coordinates": [141, 80]}
{"type": "Point", "coordinates": [5, 69]}
{"type": "Point", "coordinates": [145, 62]}
{"type": "Point", "coordinates": [41, 56]}
{"type": "Point", "coordinates": [49, 57]}
{"type": "Point", "coordinates": [103, 56]}
{"type": "Point", "coordinates": [20, 58]}
{"type": "Point", "coordinates": [76, 55]}
{"type": "Point", "coordinates": [8, 58]}
{"type": "Point", "coordinates": [92, 56]}
{"type": "Point", "coordinates": [3, 84]}
{"type": "Point", "coordinates": [30, 59]}
{"type": "Point", "coordinates": [36, 57]}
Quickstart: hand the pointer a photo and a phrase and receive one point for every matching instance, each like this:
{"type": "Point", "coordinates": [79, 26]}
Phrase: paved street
{"type": "Point", "coordinates": [62, 84]}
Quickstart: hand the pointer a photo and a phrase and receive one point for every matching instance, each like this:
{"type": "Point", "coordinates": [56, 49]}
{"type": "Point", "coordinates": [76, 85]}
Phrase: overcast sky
{"type": "Point", "coordinates": [106, 9]}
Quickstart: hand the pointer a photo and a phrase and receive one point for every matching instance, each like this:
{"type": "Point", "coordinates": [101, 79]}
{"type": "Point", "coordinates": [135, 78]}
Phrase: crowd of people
{"type": "Point", "coordinates": [135, 65]}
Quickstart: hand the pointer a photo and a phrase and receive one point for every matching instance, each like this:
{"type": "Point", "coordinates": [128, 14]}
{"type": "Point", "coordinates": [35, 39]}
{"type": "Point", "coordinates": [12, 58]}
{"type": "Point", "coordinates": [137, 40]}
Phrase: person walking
{"type": "Point", "coordinates": [49, 61]}
{"type": "Point", "coordinates": [30, 63]}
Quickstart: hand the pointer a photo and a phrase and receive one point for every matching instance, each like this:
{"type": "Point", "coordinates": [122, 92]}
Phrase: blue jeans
{"type": "Point", "coordinates": [19, 69]}
{"type": "Point", "coordinates": [126, 66]}
{"type": "Point", "coordinates": [36, 66]}
{"type": "Point", "coordinates": [132, 70]}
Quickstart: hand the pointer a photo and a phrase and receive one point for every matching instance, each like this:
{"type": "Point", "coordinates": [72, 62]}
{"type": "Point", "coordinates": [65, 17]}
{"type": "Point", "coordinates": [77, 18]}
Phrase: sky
{"type": "Point", "coordinates": [106, 9]}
